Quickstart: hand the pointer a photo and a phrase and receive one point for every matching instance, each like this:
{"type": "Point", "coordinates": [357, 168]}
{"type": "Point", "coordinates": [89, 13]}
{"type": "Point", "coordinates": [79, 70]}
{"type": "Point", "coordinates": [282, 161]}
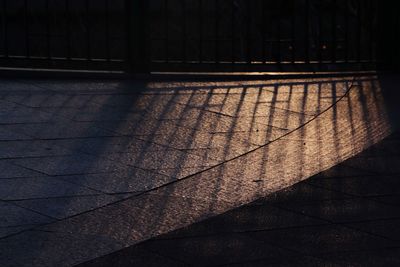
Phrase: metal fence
{"type": "Point", "coordinates": [73, 34]}
{"type": "Point", "coordinates": [189, 35]}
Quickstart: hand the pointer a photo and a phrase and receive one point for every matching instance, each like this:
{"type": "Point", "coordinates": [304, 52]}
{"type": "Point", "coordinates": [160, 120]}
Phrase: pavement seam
{"type": "Point", "coordinates": [352, 83]}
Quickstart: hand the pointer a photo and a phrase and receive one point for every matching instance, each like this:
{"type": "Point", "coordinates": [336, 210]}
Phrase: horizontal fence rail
{"type": "Point", "coordinates": [190, 35]}
{"type": "Point", "coordinates": [259, 34]}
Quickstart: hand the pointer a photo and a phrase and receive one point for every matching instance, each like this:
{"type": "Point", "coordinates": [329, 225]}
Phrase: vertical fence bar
{"type": "Point", "coordinates": [346, 31]}
{"type": "Point", "coordinates": [279, 33]}
{"type": "Point", "coordinates": [371, 31]}
{"type": "Point", "coordinates": [27, 29]}
{"type": "Point", "coordinates": [68, 29]}
{"type": "Point", "coordinates": [166, 44]}
{"type": "Point", "coordinates": [5, 28]}
{"type": "Point", "coordinates": [200, 31]}
{"type": "Point", "coordinates": [48, 29]}
{"type": "Point", "coordinates": [397, 42]}
{"type": "Point", "coordinates": [184, 32]}
{"type": "Point", "coordinates": [137, 12]}
{"type": "Point", "coordinates": [264, 31]}
{"type": "Point", "coordinates": [216, 41]}
{"type": "Point", "coordinates": [88, 31]}
{"type": "Point", "coordinates": [334, 36]}
{"type": "Point", "coordinates": [233, 30]}
{"type": "Point", "coordinates": [382, 38]}
{"type": "Point", "coordinates": [128, 35]}
{"type": "Point", "coordinates": [320, 41]}
{"type": "Point", "coordinates": [107, 32]}
{"type": "Point", "coordinates": [293, 31]}
{"type": "Point", "coordinates": [248, 32]}
{"type": "Point", "coordinates": [307, 32]}
{"type": "Point", "coordinates": [395, 37]}
{"type": "Point", "coordinates": [359, 28]}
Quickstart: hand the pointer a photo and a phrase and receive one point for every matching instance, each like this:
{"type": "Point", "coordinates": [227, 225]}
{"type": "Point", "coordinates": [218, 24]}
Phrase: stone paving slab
{"type": "Point", "coordinates": [227, 249]}
{"type": "Point", "coordinates": [61, 207]}
{"type": "Point", "coordinates": [69, 165]}
{"type": "Point", "coordinates": [386, 257]}
{"type": "Point", "coordinates": [388, 228]}
{"type": "Point", "coordinates": [140, 257]}
{"type": "Point", "coordinates": [57, 130]}
{"type": "Point", "coordinates": [32, 148]}
{"type": "Point", "coordinates": [7, 135]}
{"type": "Point", "coordinates": [254, 217]}
{"type": "Point", "coordinates": [40, 187]}
{"type": "Point", "coordinates": [389, 199]}
{"type": "Point", "coordinates": [322, 239]}
{"type": "Point", "coordinates": [304, 193]}
{"type": "Point", "coordinates": [363, 186]}
{"type": "Point", "coordinates": [13, 215]}
{"type": "Point", "coordinates": [310, 239]}
{"type": "Point", "coordinates": [10, 230]}
{"type": "Point", "coordinates": [182, 191]}
{"type": "Point", "coordinates": [127, 181]}
{"type": "Point", "coordinates": [10, 171]}
{"type": "Point", "coordinates": [345, 210]}
{"type": "Point", "coordinates": [21, 252]}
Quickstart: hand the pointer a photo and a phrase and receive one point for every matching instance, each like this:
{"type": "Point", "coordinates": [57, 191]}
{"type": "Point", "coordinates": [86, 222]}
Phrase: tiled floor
{"type": "Point", "coordinates": [67, 147]}
{"type": "Point", "coordinates": [346, 216]}
{"type": "Point", "coordinates": [88, 168]}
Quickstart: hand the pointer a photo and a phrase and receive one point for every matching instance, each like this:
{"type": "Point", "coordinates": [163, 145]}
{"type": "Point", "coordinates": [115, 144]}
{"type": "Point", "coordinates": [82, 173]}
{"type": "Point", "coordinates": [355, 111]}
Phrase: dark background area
{"type": "Point", "coordinates": [177, 34]}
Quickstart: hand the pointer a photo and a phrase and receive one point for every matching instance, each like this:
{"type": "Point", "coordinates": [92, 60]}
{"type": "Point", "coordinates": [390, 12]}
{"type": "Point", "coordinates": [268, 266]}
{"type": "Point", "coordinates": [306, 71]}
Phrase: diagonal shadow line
{"type": "Point", "coordinates": [203, 171]}
{"type": "Point", "coordinates": [68, 119]}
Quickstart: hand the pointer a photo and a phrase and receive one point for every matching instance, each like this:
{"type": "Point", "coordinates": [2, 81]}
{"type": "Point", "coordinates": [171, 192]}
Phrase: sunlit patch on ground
{"type": "Point", "coordinates": [177, 152]}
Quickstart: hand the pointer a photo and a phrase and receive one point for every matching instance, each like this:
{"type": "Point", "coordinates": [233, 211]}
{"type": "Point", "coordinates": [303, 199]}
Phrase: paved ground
{"type": "Point", "coordinates": [69, 147]}
{"type": "Point", "coordinates": [346, 216]}
{"type": "Point", "coordinates": [88, 168]}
